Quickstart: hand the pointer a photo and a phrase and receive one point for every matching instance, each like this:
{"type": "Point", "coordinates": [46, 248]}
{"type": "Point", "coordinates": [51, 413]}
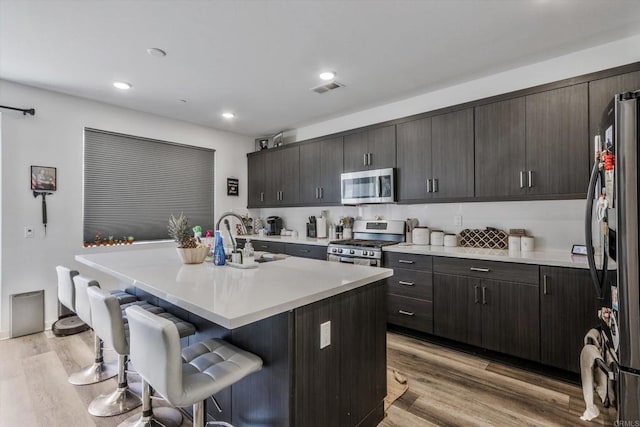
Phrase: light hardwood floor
{"type": "Point", "coordinates": [451, 388]}
{"type": "Point", "coordinates": [446, 388]}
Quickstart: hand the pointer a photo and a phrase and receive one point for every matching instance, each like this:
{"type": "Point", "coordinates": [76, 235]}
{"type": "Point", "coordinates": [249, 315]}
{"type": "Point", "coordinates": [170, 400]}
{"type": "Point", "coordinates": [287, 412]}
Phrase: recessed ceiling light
{"type": "Point", "coordinates": [158, 53]}
{"type": "Point", "coordinates": [228, 115]}
{"type": "Point", "coordinates": [122, 85]}
{"type": "Point", "coordinates": [328, 75]}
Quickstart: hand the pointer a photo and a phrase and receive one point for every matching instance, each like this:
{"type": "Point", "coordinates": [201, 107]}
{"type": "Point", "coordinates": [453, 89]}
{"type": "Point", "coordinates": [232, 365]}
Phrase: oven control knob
{"type": "Point", "coordinates": [365, 253]}
{"type": "Point", "coordinates": [334, 250]}
{"type": "Point", "coordinates": [352, 252]}
{"type": "Point", "coordinates": [339, 251]}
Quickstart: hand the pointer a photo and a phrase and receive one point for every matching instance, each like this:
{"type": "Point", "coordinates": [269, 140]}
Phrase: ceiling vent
{"type": "Point", "coordinates": [326, 87]}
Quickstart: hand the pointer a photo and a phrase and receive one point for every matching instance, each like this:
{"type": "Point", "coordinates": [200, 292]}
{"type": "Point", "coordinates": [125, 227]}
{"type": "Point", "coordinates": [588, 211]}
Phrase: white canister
{"type": "Point", "coordinates": [514, 243]}
{"type": "Point", "coordinates": [420, 236]}
{"type": "Point", "coordinates": [450, 240]}
{"type": "Point", "coordinates": [347, 233]}
{"type": "Point", "coordinates": [437, 238]}
{"type": "Point", "coordinates": [527, 243]}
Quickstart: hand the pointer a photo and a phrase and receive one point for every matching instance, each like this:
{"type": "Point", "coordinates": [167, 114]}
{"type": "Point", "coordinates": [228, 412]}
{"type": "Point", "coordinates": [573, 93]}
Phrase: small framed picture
{"type": "Point", "coordinates": [233, 187]}
{"type": "Point", "coordinates": [43, 178]}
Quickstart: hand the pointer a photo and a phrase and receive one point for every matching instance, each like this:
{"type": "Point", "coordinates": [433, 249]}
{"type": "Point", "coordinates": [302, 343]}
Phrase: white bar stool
{"type": "Point", "coordinates": [112, 328]}
{"type": "Point", "coordinates": [99, 370]}
{"type": "Point", "coordinates": [183, 378]}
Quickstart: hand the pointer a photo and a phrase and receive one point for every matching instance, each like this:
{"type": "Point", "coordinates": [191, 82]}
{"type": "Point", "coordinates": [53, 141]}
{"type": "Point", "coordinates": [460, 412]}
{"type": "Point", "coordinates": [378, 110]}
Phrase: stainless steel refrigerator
{"type": "Point", "coordinates": [613, 187]}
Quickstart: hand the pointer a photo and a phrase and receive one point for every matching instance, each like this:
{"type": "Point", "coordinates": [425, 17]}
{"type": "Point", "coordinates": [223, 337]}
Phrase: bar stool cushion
{"type": "Point", "coordinates": [205, 369]}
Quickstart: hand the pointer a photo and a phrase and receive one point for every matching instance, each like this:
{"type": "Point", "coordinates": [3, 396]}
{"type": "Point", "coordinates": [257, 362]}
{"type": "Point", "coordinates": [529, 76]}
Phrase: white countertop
{"type": "Point", "coordinates": [546, 257]}
{"type": "Point", "coordinates": [286, 239]}
{"type": "Point", "coordinates": [543, 257]}
{"type": "Point", "coordinates": [229, 296]}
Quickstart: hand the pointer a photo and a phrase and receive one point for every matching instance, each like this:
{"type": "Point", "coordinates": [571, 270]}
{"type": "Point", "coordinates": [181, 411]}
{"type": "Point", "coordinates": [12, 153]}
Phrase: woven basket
{"type": "Point", "coordinates": [490, 238]}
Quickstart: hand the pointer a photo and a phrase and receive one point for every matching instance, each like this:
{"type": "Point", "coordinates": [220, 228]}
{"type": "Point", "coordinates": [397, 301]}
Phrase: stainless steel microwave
{"type": "Point", "coordinates": [371, 186]}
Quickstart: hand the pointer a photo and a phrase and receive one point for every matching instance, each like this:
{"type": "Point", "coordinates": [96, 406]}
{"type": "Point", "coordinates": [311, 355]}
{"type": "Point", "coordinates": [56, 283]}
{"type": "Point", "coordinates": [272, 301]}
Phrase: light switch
{"type": "Point", "coordinates": [325, 334]}
{"type": "Point", "coordinates": [28, 232]}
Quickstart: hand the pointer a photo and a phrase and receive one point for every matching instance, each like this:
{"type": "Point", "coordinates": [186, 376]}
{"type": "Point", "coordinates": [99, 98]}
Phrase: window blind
{"type": "Point", "coordinates": [132, 185]}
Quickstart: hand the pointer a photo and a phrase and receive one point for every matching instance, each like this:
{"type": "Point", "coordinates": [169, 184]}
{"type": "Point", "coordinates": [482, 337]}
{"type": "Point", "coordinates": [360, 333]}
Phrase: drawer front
{"type": "Point", "coordinates": [410, 313]}
{"type": "Point", "coordinates": [494, 270]}
{"type": "Point", "coordinates": [263, 246]}
{"type": "Point", "coordinates": [407, 261]}
{"type": "Point", "coordinates": [410, 283]}
{"type": "Point", "coordinates": [306, 251]}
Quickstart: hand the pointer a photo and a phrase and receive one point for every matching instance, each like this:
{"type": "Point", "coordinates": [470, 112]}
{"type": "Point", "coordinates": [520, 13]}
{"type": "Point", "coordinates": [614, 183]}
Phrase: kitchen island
{"type": "Point", "coordinates": [275, 311]}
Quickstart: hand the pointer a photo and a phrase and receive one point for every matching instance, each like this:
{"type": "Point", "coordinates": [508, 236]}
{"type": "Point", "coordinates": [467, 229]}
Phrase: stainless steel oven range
{"type": "Point", "coordinates": [368, 239]}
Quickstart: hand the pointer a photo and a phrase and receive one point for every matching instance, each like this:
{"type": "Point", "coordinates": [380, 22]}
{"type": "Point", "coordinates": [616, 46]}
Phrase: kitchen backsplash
{"type": "Point", "coordinates": [556, 224]}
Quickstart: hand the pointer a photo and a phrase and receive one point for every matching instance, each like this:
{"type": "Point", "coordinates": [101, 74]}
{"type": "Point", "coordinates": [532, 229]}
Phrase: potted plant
{"type": "Point", "coordinates": [189, 249]}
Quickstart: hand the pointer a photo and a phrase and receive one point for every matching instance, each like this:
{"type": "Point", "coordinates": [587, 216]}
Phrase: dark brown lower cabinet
{"type": "Point", "coordinates": [497, 315]}
{"type": "Point", "coordinates": [343, 384]}
{"type": "Point", "coordinates": [568, 309]}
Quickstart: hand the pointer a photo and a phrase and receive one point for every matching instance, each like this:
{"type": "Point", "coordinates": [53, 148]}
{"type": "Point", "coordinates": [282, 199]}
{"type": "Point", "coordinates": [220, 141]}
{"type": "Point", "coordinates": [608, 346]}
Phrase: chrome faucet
{"type": "Point", "coordinates": [235, 215]}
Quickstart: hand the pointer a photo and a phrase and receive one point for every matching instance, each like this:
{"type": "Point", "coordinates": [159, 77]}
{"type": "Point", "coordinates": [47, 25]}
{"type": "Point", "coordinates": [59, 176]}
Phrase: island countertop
{"type": "Point", "coordinates": [229, 296]}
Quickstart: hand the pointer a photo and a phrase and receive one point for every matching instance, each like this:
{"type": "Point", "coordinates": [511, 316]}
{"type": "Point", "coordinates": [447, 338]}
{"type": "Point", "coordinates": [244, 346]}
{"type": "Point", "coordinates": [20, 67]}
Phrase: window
{"type": "Point", "coordinates": [132, 185]}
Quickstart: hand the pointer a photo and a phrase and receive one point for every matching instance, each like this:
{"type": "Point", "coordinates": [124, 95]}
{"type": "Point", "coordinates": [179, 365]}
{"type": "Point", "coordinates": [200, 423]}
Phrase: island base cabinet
{"type": "Point", "coordinates": [343, 384]}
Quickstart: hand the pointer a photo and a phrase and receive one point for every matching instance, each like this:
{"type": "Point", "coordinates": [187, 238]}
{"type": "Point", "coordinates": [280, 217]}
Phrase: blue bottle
{"type": "Point", "coordinates": [218, 251]}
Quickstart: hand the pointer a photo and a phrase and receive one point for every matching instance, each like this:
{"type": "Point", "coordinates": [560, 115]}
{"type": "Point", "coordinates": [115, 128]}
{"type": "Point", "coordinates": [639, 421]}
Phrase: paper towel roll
{"type": "Point", "coordinates": [321, 228]}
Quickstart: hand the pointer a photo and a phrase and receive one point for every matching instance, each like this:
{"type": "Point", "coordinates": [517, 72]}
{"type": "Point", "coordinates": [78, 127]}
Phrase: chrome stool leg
{"type": "Point", "coordinates": [153, 417]}
{"type": "Point", "coordinates": [118, 402]}
{"type": "Point", "coordinates": [98, 371]}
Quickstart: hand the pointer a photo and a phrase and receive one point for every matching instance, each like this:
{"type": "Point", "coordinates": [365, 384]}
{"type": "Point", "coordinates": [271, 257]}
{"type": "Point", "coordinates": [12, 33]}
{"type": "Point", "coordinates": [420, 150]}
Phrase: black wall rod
{"type": "Point", "coordinates": [25, 111]}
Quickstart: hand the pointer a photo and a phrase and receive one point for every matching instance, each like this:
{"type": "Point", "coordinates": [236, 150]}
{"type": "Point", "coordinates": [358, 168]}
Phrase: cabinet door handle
{"type": "Point", "coordinates": [322, 192]}
{"type": "Point", "coordinates": [262, 196]}
{"type": "Point", "coordinates": [318, 196]}
{"type": "Point", "coordinates": [481, 270]}
{"type": "Point", "coordinates": [521, 179]}
{"type": "Point", "coordinates": [263, 246]}
{"type": "Point", "coordinates": [402, 282]}
{"type": "Point", "coordinates": [364, 159]}
{"type": "Point", "coordinates": [405, 261]}
{"type": "Point", "coordinates": [429, 186]}
{"type": "Point", "coordinates": [281, 195]}
{"type": "Point", "coordinates": [369, 155]}
{"type": "Point", "coordinates": [484, 295]}
{"type": "Point", "coordinates": [475, 296]}
{"type": "Point", "coordinates": [545, 290]}
{"type": "Point", "coordinates": [406, 313]}
{"type": "Point", "coordinates": [530, 179]}
{"type": "Point", "coordinates": [305, 251]}
{"type": "Point", "coordinates": [435, 185]}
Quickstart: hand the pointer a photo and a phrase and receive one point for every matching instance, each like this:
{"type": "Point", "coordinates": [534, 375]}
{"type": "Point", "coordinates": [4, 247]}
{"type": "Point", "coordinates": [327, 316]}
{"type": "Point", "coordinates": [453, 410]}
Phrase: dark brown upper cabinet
{"type": "Point", "coordinates": [414, 160]}
{"type": "Point", "coordinates": [256, 180]}
{"type": "Point", "coordinates": [435, 157]}
{"type": "Point", "coordinates": [601, 92]}
{"type": "Point", "coordinates": [557, 138]}
{"type": "Point", "coordinates": [370, 149]}
{"type": "Point", "coordinates": [282, 175]}
{"type": "Point", "coordinates": [320, 169]}
{"type": "Point", "coordinates": [452, 155]}
{"type": "Point", "coordinates": [500, 149]}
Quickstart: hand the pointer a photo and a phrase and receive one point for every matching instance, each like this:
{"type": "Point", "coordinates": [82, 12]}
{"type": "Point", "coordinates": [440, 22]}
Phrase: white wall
{"type": "Point", "coordinates": [54, 137]}
{"type": "Point", "coordinates": [555, 224]}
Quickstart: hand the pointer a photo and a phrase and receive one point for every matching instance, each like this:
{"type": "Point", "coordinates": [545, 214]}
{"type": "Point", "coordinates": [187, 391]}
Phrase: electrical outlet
{"type": "Point", "coordinates": [325, 334]}
{"type": "Point", "coordinates": [457, 220]}
{"type": "Point", "coordinates": [28, 232]}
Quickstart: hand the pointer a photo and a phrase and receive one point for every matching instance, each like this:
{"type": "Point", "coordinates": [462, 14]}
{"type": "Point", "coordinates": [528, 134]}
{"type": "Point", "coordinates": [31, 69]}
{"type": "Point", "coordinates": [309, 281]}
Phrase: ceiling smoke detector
{"type": "Point", "coordinates": [326, 87]}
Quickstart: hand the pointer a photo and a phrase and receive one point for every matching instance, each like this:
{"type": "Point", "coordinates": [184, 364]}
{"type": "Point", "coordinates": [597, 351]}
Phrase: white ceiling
{"type": "Point", "coordinates": [259, 59]}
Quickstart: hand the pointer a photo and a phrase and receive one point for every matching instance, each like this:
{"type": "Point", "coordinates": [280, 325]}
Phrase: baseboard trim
{"type": "Point", "coordinates": [4, 335]}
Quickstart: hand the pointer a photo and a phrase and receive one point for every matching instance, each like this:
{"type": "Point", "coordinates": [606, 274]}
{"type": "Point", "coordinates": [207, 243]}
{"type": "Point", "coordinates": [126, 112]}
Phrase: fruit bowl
{"type": "Point", "coordinates": [193, 255]}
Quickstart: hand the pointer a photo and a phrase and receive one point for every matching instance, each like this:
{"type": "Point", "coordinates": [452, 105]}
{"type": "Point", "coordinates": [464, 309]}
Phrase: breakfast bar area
{"type": "Point", "coordinates": [319, 331]}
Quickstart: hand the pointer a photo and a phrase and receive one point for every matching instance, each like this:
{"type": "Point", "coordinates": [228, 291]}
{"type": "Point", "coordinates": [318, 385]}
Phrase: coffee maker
{"type": "Point", "coordinates": [273, 226]}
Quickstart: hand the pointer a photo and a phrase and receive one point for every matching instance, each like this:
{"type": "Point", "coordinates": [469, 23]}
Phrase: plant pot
{"type": "Point", "coordinates": [192, 255]}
